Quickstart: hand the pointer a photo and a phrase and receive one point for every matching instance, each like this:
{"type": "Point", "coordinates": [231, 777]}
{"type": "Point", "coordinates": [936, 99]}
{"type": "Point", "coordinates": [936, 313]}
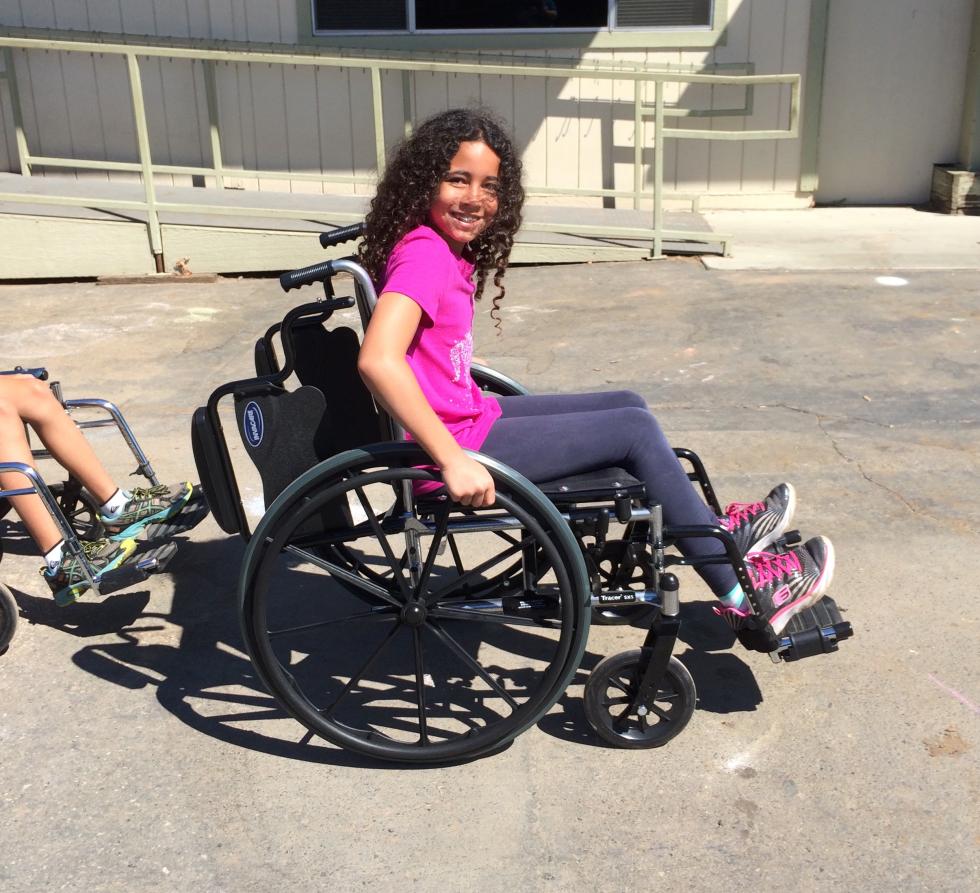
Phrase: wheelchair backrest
{"type": "Point", "coordinates": [284, 432]}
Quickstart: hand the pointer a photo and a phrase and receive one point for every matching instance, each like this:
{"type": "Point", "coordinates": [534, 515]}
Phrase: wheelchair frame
{"type": "Point", "coordinates": [637, 699]}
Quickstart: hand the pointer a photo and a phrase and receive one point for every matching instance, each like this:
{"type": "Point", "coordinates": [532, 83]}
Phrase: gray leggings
{"type": "Point", "coordinates": [548, 436]}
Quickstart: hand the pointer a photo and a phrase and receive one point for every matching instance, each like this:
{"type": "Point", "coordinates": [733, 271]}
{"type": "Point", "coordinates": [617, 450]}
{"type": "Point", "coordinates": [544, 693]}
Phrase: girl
{"type": "Point", "coordinates": [443, 218]}
{"type": "Point", "coordinates": [25, 399]}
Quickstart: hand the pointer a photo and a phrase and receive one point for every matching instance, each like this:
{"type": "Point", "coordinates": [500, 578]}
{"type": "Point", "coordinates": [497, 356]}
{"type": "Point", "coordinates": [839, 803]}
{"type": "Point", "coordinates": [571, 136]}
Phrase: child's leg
{"type": "Point", "coordinates": [30, 509]}
{"type": "Point", "coordinates": [32, 401]}
{"type": "Point", "coordinates": [555, 404]}
{"type": "Point", "coordinates": [754, 525]}
{"type": "Point", "coordinates": [546, 445]}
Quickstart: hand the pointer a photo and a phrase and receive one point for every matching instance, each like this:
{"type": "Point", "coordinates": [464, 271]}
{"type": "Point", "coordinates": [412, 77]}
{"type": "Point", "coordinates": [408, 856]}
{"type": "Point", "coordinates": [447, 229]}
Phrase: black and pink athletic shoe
{"type": "Point", "coordinates": [756, 525]}
{"type": "Point", "coordinates": [786, 583]}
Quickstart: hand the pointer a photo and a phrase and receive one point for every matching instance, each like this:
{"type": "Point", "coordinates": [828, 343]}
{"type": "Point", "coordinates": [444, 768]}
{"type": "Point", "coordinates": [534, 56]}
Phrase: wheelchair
{"type": "Point", "coordinates": [76, 512]}
{"type": "Point", "coordinates": [397, 624]}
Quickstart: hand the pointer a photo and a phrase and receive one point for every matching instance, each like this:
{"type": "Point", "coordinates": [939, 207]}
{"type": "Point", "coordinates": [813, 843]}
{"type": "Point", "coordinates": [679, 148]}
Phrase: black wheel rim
{"type": "Point", "coordinates": [438, 673]}
{"type": "Point", "coordinates": [653, 722]}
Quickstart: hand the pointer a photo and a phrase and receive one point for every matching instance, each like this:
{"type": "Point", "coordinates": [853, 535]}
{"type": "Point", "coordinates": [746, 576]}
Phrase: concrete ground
{"type": "Point", "coordinates": [138, 751]}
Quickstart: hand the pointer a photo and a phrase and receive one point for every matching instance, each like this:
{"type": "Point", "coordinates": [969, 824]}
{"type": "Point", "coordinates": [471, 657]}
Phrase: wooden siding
{"type": "Point", "coordinates": [299, 120]}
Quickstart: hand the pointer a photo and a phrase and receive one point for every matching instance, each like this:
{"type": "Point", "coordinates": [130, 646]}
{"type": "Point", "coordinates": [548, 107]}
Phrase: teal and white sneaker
{"type": "Point", "coordinates": [68, 580]}
{"type": "Point", "coordinates": [146, 505]}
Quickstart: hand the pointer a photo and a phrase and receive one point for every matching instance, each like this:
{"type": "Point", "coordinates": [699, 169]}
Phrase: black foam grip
{"type": "Point", "coordinates": [306, 275]}
{"type": "Point", "coordinates": [341, 234]}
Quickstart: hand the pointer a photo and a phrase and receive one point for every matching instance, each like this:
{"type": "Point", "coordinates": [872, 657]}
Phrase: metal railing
{"type": "Point", "coordinates": [636, 75]}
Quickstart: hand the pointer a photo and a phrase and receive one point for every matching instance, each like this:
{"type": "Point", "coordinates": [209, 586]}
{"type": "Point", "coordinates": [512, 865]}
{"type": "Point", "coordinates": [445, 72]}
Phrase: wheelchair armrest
{"type": "Point", "coordinates": [495, 382]}
{"type": "Point", "coordinates": [39, 373]}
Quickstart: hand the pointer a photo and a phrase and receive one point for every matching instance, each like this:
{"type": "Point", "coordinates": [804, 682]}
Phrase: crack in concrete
{"type": "Point", "coordinates": [837, 449]}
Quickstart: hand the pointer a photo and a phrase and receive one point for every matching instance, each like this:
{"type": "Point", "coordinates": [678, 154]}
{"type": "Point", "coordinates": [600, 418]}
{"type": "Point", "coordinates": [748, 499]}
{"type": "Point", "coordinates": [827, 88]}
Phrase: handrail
{"type": "Point", "coordinates": [200, 51]}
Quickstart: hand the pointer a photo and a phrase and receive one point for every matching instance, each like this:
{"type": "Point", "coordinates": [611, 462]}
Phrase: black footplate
{"type": "Point", "coordinates": [143, 564]}
{"type": "Point", "coordinates": [816, 630]}
{"type": "Point", "coordinates": [186, 519]}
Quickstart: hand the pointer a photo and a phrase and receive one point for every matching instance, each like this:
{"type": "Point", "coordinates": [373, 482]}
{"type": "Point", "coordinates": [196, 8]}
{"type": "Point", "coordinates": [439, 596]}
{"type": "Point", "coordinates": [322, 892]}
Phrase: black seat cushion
{"type": "Point", "coordinates": [603, 483]}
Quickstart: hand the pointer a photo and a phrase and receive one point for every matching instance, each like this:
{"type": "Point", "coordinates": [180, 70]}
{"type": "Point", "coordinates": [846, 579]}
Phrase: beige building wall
{"type": "Point", "coordinates": [893, 93]}
{"type": "Point", "coordinates": [887, 113]}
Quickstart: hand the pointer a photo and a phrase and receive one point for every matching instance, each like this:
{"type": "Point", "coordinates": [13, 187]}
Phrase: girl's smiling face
{"type": "Point", "coordinates": [466, 200]}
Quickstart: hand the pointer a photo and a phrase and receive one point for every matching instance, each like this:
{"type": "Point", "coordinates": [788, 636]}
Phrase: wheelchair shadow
{"type": "Point", "coordinates": [193, 656]}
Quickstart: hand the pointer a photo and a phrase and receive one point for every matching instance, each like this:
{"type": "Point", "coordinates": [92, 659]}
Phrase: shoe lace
{"type": "Point", "coordinates": [90, 547]}
{"type": "Point", "coordinates": [764, 567]}
{"type": "Point", "coordinates": [141, 493]}
{"type": "Point", "coordinates": [739, 512]}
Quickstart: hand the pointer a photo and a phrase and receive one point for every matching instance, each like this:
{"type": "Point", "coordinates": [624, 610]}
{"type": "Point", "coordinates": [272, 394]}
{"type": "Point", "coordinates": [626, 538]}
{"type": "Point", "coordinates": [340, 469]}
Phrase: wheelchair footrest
{"type": "Point", "coordinates": [816, 630]}
{"type": "Point", "coordinates": [152, 561]}
{"type": "Point", "coordinates": [186, 519]}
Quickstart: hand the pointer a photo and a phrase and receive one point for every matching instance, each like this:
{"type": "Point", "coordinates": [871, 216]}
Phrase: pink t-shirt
{"type": "Point", "coordinates": [423, 267]}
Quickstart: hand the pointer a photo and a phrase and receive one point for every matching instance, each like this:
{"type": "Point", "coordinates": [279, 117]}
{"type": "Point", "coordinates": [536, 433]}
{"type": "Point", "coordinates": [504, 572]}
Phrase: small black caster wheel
{"type": "Point", "coordinates": [610, 689]}
{"type": "Point", "coordinates": [8, 617]}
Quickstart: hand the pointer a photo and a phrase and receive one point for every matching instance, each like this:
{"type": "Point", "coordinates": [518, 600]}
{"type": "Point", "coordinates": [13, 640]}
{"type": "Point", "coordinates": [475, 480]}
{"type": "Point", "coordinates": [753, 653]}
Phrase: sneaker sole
{"type": "Point", "coordinates": [780, 528]}
{"type": "Point", "coordinates": [137, 528]}
{"type": "Point", "coordinates": [69, 595]}
{"type": "Point", "coordinates": [783, 616]}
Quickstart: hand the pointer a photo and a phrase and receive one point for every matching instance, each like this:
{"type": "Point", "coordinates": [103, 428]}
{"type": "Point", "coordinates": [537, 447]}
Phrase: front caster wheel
{"type": "Point", "coordinates": [610, 691]}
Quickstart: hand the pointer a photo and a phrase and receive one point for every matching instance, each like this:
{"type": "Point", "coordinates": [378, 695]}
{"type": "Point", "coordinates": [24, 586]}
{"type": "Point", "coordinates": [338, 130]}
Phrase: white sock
{"type": "Point", "coordinates": [111, 507]}
{"type": "Point", "coordinates": [52, 558]}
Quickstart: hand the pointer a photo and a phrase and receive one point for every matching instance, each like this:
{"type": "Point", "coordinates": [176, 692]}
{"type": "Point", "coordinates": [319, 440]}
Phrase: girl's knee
{"type": "Point", "coordinates": [35, 401]}
{"type": "Point", "coordinates": [628, 399]}
{"type": "Point", "coordinates": [8, 413]}
{"type": "Point", "coordinates": [642, 425]}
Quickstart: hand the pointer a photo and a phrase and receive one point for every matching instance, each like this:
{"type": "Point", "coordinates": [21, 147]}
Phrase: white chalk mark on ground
{"type": "Point", "coordinates": [893, 281]}
{"type": "Point", "coordinates": [952, 692]}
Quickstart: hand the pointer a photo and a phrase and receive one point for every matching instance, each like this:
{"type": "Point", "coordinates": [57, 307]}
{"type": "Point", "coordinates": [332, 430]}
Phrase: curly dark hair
{"type": "Point", "coordinates": [412, 178]}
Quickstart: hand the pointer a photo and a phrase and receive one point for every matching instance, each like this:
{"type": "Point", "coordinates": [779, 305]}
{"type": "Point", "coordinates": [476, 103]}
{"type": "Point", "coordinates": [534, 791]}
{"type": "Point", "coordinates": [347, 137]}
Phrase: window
{"type": "Point", "coordinates": [428, 16]}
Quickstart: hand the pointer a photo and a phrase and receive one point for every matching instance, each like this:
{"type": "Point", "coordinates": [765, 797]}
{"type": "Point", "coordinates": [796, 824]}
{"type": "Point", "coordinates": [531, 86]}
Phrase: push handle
{"type": "Point", "coordinates": [306, 275]}
{"type": "Point", "coordinates": [341, 234]}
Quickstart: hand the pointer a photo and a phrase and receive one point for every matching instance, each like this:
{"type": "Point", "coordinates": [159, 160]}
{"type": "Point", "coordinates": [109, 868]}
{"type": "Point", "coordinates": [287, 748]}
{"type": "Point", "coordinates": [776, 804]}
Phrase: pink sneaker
{"type": "Point", "coordinates": [786, 583]}
{"type": "Point", "coordinates": [756, 525]}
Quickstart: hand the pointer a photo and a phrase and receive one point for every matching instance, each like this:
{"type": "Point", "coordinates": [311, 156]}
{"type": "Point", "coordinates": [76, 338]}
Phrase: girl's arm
{"type": "Point", "coordinates": [386, 372]}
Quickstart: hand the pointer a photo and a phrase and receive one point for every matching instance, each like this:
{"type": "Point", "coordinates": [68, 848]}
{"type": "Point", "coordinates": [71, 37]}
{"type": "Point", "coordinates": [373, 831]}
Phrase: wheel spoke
{"type": "Point", "coordinates": [614, 702]}
{"type": "Point", "coordinates": [420, 685]}
{"type": "Point", "coordinates": [452, 586]}
{"type": "Point", "coordinates": [663, 714]}
{"type": "Point", "coordinates": [341, 573]}
{"type": "Point", "coordinates": [460, 652]}
{"type": "Point", "coordinates": [442, 524]}
{"type": "Point", "coordinates": [383, 540]}
{"type": "Point", "coordinates": [454, 549]}
{"type": "Point", "coordinates": [622, 686]}
{"type": "Point", "coordinates": [385, 613]}
{"type": "Point", "coordinates": [328, 711]}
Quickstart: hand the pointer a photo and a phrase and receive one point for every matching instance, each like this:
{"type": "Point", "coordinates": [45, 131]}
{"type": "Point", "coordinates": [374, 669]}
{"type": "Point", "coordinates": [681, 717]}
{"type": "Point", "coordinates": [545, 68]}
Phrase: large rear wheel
{"type": "Point", "coordinates": [422, 636]}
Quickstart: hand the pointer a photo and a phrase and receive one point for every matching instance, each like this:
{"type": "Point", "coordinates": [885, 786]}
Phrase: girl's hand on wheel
{"type": "Point", "coordinates": [468, 482]}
